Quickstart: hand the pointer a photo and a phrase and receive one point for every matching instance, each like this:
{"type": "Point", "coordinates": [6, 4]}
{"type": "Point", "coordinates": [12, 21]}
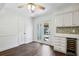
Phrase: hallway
{"type": "Point", "coordinates": [31, 49]}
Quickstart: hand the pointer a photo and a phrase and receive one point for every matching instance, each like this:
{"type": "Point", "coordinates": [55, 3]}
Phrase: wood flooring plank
{"type": "Point", "coordinates": [32, 49]}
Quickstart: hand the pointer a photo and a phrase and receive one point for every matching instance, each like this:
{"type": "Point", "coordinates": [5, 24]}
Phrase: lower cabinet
{"type": "Point", "coordinates": [60, 44]}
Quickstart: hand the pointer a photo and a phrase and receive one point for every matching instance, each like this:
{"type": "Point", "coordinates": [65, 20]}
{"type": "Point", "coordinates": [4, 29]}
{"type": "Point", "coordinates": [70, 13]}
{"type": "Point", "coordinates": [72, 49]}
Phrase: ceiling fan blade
{"type": "Point", "coordinates": [23, 5]}
{"type": "Point", "coordinates": [20, 6]}
{"type": "Point", "coordinates": [40, 7]}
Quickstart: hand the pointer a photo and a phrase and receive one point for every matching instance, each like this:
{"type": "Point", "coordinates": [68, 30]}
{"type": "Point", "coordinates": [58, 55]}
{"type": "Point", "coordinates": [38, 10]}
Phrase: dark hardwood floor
{"type": "Point", "coordinates": [31, 49]}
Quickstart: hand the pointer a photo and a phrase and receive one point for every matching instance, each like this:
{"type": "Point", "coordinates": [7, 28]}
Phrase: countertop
{"type": "Point", "coordinates": [67, 35]}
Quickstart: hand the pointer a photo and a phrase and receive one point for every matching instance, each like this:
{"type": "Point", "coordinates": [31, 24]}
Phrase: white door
{"type": "Point", "coordinates": [40, 32]}
{"type": "Point", "coordinates": [43, 32]}
{"type": "Point", "coordinates": [20, 31]}
{"type": "Point", "coordinates": [28, 31]}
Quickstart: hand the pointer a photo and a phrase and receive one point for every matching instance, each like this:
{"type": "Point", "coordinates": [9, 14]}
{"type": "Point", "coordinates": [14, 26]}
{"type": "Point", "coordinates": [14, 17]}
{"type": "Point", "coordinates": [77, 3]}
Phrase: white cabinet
{"type": "Point", "coordinates": [64, 19]}
{"type": "Point", "coordinates": [60, 44]}
{"type": "Point", "coordinates": [75, 18]}
{"type": "Point", "coordinates": [59, 20]}
{"type": "Point", "coordinates": [67, 19]}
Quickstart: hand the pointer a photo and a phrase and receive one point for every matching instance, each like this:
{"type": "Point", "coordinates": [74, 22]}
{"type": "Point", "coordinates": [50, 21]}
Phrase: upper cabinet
{"type": "Point", "coordinates": [67, 19]}
{"type": "Point", "coordinates": [75, 19]}
{"type": "Point", "coordinates": [59, 20]}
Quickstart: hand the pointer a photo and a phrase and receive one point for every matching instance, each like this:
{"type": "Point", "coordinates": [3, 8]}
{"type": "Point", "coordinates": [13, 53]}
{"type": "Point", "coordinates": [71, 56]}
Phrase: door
{"type": "Point", "coordinates": [43, 32]}
{"type": "Point", "coordinates": [39, 32]}
{"type": "Point", "coordinates": [20, 31]}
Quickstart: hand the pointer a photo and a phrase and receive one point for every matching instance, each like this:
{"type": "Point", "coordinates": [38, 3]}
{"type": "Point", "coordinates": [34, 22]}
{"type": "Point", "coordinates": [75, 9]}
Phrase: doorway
{"type": "Point", "coordinates": [43, 32]}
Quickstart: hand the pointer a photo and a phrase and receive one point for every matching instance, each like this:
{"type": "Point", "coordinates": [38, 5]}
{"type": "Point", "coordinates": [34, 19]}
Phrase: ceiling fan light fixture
{"type": "Point", "coordinates": [31, 7]}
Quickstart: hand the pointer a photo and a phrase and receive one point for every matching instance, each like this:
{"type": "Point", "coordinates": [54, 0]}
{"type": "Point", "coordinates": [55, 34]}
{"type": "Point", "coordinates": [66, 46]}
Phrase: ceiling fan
{"type": "Point", "coordinates": [32, 7]}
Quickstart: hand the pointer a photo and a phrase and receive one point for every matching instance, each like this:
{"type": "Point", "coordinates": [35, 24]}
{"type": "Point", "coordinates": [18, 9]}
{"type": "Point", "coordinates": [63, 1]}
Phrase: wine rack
{"type": "Point", "coordinates": [71, 46]}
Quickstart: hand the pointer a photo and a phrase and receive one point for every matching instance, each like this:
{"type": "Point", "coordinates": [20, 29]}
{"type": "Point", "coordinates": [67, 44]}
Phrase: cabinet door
{"type": "Point", "coordinates": [63, 49]}
{"type": "Point", "coordinates": [57, 48]}
{"type": "Point", "coordinates": [56, 41]}
{"type": "Point", "coordinates": [76, 18]}
{"type": "Point", "coordinates": [59, 20]}
{"type": "Point", "coordinates": [67, 19]}
{"type": "Point", "coordinates": [60, 44]}
{"type": "Point", "coordinates": [63, 45]}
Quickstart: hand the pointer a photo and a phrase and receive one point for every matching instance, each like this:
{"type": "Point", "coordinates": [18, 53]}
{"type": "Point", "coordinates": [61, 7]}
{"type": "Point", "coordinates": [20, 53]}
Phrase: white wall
{"type": "Point", "coordinates": [13, 24]}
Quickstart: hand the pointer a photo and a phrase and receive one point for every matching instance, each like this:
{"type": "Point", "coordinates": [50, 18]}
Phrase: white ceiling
{"type": "Point", "coordinates": [49, 8]}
